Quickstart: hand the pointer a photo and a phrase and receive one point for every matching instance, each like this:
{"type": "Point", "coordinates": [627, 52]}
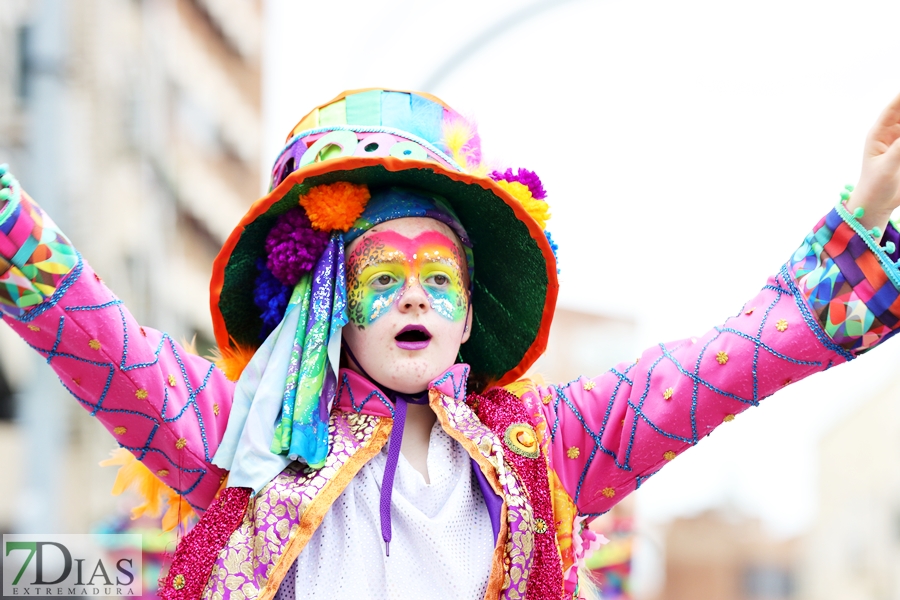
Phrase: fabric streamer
{"type": "Point", "coordinates": [284, 394]}
{"type": "Point", "coordinates": [245, 449]}
{"type": "Point", "coordinates": [313, 385]}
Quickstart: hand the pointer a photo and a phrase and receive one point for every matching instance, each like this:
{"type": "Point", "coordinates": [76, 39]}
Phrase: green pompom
{"type": "Point", "coordinates": [875, 232]}
{"type": "Point", "coordinates": [6, 179]}
{"type": "Point", "coordinates": [848, 187]}
{"type": "Point", "coordinates": [4, 168]}
{"type": "Point", "coordinates": [4, 195]}
{"type": "Point", "coordinates": [845, 196]}
{"type": "Point", "coordinates": [889, 247]}
{"type": "Point", "coordinates": [859, 212]}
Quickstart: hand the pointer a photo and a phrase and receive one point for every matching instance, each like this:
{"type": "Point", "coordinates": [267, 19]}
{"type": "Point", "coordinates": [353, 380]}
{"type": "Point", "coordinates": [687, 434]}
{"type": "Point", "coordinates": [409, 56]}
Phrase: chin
{"type": "Point", "coordinates": [413, 376]}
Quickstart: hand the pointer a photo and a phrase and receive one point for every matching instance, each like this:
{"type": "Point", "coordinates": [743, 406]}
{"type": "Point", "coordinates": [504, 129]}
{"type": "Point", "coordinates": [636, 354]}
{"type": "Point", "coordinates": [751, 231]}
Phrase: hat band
{"type": "Point", "coordinates": [363, 141]}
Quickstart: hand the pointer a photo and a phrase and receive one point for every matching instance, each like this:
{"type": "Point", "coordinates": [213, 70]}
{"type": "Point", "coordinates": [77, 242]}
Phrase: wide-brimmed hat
{"type": "Point", "coordinates": [381, 138]}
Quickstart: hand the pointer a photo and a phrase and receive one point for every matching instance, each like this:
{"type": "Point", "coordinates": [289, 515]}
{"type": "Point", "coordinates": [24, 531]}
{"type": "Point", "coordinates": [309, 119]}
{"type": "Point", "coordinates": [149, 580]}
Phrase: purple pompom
{"type": "Point", "coordinates": [293, 247]}
{"type": "Point", "coordinates": [271, 297]}
{"type": "Point", "coordinates": [527, 178]}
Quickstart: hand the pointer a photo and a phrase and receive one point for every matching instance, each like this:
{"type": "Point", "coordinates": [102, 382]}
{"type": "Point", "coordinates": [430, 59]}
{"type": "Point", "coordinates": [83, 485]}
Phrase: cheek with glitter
{"type": "Point", "coordinates": [376, 274]}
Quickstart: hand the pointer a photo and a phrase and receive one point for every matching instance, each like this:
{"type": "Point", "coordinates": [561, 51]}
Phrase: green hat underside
{"type": "Point", "coordinates": [510, 284]}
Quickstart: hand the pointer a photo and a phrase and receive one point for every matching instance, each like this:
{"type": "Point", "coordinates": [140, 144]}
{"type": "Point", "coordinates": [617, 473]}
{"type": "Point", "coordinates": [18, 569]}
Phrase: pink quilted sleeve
{"type": "Point", "coordinates": [835, 298]}
{"type": "Point", "coordinates": [168, 407]}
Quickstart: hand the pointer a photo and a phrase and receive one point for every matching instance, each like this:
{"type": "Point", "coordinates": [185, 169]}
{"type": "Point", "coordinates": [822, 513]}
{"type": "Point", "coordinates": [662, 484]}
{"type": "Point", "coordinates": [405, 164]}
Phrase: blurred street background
{"type": "Point", "coordinates": [687, 147]}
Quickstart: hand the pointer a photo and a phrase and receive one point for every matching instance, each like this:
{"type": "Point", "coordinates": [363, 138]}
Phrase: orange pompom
{"type": "Point", "coordinates": [334, 205]}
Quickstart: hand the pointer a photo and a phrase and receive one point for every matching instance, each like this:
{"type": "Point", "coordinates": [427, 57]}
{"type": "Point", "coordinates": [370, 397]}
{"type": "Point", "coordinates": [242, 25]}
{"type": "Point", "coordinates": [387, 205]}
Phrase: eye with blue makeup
{"type": "Point", "coordinates": [443, 282]}
{"type": "Point", "coordinates": [386, 264]}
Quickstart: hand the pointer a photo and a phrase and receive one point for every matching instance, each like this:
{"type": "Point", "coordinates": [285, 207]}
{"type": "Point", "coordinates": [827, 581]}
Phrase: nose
{"type": "Point", "coordinates": [414, 298]}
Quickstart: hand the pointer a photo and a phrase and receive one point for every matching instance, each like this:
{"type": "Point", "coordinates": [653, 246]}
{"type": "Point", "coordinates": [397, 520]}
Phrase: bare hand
{"type": "Point", "coordinates": [878, 191]}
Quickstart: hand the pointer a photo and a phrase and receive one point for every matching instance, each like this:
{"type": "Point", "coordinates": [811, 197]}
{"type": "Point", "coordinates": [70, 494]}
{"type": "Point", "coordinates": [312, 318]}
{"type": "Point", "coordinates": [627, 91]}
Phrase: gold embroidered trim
{"type": "Point", "coordinates": [320, 505]}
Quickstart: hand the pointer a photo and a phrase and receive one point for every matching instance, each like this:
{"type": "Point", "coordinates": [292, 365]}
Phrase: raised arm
{"type": "Point", "coordinates": [165, 405]}
{"type": "Point", "coordinates": [836, 298]}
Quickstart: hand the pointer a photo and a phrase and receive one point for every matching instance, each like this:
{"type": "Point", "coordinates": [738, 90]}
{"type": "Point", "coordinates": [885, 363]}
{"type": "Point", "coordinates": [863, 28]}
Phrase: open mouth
{"type": "Point", "coordinates": [413, 337]}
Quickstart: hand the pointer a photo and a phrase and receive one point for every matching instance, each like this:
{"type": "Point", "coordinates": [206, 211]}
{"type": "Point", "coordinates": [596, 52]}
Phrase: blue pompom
{"type": "Point", "coordinates": [271, 297]}
{"type": "Point", "coordinates": [554, 247]}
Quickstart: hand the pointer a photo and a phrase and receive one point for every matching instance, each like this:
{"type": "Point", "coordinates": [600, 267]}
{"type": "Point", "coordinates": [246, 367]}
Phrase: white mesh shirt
{"type": "Point", "coordinates": [442, 541]}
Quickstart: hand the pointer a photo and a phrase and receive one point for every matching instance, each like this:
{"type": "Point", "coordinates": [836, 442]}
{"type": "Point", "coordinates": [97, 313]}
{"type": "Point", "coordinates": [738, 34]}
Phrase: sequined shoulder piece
{"type": "Point", "coordinates": [511, 420]}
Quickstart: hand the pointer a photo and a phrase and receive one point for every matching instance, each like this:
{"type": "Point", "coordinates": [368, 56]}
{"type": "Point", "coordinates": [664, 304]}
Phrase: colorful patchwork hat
{"type": "Point", "coordinates": [369, 140]}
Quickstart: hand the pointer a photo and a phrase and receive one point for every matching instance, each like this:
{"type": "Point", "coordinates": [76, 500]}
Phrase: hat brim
{"type": "Point", "coordinates": [514, 288]}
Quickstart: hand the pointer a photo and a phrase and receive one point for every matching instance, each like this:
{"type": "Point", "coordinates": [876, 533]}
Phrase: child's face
{"type": "Point", "coordinates": [408, 300]}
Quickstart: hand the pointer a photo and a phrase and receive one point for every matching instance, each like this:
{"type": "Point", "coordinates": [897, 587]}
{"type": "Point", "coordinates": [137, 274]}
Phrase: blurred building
{"type": "Point", "coordinates": [586, 344]}
{"type": "Point", "coordinates": [854, 548]}
{"type": "Point", "coordinates": [723, 556]}
{"type": "Point", "coordinates": [137, 125]}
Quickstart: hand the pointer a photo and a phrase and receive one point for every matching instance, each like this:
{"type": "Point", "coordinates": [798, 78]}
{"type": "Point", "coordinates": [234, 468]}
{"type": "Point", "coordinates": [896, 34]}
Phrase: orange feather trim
{"type": "Point", "coordinates": [133, 474]}
{"type": "Point", "coordinates": [232, 360]}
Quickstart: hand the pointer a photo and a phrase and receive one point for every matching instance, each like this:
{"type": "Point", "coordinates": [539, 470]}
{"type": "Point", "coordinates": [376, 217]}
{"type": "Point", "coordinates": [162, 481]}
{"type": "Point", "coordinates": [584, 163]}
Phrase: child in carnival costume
{"type": "Point", "coordinates": [367, 431]}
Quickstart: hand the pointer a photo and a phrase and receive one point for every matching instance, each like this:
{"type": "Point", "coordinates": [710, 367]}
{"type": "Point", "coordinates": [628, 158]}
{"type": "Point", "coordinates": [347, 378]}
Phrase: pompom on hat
{"type": "Point", "coordinates": [375, 139]}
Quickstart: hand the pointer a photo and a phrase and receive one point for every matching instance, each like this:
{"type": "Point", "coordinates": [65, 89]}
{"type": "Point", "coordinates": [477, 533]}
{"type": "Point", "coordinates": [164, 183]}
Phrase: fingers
{"type": "Point", "coordinates": [890, 115]}
{"type": "Point", "coordinates": [894, 150]}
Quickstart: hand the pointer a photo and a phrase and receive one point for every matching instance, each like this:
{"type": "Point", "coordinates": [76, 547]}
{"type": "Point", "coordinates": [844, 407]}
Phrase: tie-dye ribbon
{"type": "Point", "coordinates": [301, 432]}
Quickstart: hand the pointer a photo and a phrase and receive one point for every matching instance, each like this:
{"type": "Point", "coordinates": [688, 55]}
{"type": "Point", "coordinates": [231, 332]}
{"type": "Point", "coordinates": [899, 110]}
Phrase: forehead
{"type": "Point", "coordinates": [409, 227]}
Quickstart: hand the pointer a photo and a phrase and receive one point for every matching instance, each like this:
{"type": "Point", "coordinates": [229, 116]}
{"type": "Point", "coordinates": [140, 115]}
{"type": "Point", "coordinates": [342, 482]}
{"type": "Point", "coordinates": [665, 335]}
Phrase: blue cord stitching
{"type": "Point", "coordinates": [811, 321]}
{"type": "Point", "coordinates": [46, 305]}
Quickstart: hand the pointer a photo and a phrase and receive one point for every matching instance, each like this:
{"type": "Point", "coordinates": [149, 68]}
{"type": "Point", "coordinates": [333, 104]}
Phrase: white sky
{"type": "Point", "coordinates": [687, 147]}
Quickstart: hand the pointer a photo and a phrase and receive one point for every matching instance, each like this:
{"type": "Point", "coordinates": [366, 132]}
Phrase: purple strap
{"type": "Point", "coordinates": [493, 501]}
{"type": "Point", "coordinates": [387, 484]}
{"type": "Point", "coordinates": [390, 468]}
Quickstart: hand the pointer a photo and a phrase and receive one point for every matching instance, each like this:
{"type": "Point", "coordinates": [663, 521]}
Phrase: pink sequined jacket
{"type": "Point", "coordinates": [544, 454]}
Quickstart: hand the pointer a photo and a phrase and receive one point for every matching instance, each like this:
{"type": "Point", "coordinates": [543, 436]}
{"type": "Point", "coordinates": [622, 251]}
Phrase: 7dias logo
{"type": "Point", "coordinates": [72, 565]}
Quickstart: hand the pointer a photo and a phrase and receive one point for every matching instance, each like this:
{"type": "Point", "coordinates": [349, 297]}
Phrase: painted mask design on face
{"type": "Point", "coordinates": [385, 264]}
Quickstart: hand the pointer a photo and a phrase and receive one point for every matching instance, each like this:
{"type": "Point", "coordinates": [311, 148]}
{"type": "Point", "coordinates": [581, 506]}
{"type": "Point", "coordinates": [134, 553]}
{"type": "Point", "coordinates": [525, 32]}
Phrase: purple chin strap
{"type": "Point", "coordinates": [401, 401]}
{"type": "Point", "coordinates": [387, 483]}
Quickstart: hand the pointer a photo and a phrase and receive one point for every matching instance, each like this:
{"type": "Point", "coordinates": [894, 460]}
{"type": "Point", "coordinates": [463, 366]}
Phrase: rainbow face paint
{"type": "Point", "coordinates": [385, 264]}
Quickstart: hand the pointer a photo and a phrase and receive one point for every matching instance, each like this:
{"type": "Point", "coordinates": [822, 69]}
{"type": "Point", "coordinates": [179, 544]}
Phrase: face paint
{"type": "Point", "coordinates": [385, 265]}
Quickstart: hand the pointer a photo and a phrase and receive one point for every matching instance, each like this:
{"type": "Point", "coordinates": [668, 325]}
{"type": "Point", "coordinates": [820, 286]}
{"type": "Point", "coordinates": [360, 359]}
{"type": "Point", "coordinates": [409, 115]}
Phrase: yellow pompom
{"type": "Point", "coordinates": [334, 205]}
{"type": "Point", "coordinates": [538, 209]}
{"type": "Point", "coordinates": [232, 360]}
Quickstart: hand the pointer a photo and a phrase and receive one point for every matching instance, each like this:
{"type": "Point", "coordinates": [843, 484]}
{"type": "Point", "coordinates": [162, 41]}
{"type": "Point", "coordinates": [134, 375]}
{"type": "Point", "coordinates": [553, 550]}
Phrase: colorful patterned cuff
{"type": "Point", "coordinates": [849, 281]}
{"type": "Point", "coordinates": [35, 256]}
